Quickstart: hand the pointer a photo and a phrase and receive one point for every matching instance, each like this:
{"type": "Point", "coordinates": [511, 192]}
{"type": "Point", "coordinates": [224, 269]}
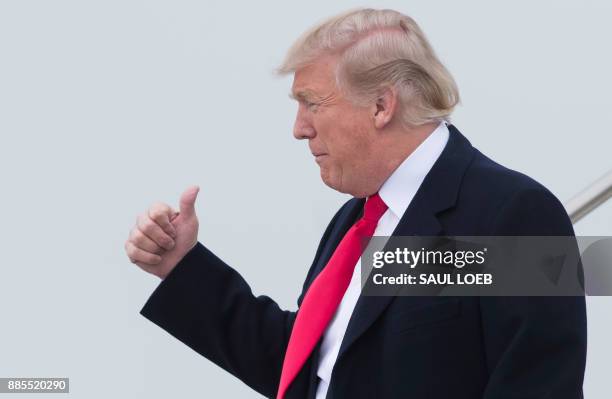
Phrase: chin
{"type": "Point", "coordinates": [329, 181]}
{"type": "Point", "coordinates": [335, 183]}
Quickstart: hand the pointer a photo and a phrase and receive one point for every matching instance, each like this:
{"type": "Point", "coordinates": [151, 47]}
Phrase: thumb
{"type": "Point", "coordinates": [187, 202]}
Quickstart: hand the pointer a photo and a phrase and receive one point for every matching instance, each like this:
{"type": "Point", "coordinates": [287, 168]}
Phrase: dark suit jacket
{"type": "Point", "coordinates": [401, 347]}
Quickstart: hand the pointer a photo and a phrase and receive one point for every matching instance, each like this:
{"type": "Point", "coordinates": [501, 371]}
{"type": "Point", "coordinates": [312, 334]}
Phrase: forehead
{"type": "Point", "coordinates": [316, 78]}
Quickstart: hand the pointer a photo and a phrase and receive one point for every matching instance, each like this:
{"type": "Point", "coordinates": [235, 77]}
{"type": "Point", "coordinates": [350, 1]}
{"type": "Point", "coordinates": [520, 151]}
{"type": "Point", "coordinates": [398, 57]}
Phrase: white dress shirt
{"type": "Point", "coordinates": [397, 192]}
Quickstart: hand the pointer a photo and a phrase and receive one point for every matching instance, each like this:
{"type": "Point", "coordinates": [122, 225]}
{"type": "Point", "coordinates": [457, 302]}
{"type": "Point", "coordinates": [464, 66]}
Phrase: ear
{"type": "Point", "coordinates": [385, 107]}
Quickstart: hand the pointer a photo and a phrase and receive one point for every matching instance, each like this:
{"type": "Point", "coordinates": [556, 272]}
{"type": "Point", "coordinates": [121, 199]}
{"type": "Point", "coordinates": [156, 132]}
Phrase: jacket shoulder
{"type": "Point", "coordinates": [500, 179]}
{"type": "Point", "coordinates": [508, 202]}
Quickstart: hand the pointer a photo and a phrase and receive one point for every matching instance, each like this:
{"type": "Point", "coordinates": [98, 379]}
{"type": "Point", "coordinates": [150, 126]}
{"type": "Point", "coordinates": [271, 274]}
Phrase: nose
{"type": "Point", "coordinates": [302, 128]}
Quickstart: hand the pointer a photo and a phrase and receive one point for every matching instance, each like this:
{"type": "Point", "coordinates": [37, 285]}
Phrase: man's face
{"type": "Point", "coordinates": [340, 135]}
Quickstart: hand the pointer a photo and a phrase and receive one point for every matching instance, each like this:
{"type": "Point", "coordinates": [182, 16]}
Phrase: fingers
{"type": "Point", "coordinates": [140, 240]}
{"type": "Point", "coordinates": [161, 214]}
{"type": "Point", "coordinates": [187, 201]}
{"type": "Point", "coordinates": [153, 231]}
{"type": "Point", "coordinates": [140, 256]}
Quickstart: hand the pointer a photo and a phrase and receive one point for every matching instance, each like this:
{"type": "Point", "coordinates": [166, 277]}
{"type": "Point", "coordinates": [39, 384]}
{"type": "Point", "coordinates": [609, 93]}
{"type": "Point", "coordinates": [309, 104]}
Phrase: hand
{"type": "Point", "coordinates": [162, 236]}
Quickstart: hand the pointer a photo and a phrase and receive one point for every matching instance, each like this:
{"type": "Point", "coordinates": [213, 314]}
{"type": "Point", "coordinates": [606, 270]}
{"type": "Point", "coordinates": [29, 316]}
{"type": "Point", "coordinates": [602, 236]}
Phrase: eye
{"type": "Point", "coordinates": [311, 106]}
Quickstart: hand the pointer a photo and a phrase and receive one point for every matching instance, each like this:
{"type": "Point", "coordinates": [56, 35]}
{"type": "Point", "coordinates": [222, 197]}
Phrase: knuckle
{"type": "Point", "coordinates": [158, 209]}
{"type": "Point", "coordinates": [139, 219]}
{"type": "Point", "coordinates": [148, 226]}
{"type": "Point", "coordinates": [158, 205]}
{"type": "Point", "coordinates": [161, 238]}
{"type": "Point", "coordinates": [155, 214]}
{"type": "Point", "coordinates": [137, 236]}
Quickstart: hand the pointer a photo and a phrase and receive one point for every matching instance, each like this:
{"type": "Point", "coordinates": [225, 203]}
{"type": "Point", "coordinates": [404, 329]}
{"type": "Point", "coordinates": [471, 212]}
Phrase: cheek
{"type": "Point", "coordinates": [344, 134]}
{"type": "Point", "coordinates": [352, 144]}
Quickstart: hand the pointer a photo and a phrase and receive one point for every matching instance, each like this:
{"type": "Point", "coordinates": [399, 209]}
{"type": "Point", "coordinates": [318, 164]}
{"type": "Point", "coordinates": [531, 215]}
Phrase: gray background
{"type": "Point", "coordinates": [108, 106]}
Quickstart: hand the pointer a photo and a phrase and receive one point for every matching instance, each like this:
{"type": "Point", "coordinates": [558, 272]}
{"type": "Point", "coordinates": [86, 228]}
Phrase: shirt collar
{"type": "Point", "coordinates": [399, 189]}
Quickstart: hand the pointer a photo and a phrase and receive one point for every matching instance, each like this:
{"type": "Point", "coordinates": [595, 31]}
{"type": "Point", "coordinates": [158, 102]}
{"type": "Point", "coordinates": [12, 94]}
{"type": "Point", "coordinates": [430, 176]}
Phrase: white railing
{"type": "Point", "coordinates": [590, 198]}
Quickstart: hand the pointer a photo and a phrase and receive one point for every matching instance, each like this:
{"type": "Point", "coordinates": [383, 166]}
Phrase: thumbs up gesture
{"type": "Point", "coordinates": [162, 236]}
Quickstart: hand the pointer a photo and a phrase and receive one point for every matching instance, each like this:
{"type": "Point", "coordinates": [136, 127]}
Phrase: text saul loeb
{"type": "Point", "coordinates": [412, 259]}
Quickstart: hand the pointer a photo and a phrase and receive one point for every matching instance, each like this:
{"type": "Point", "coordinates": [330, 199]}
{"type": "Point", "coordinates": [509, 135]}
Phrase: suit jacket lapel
{"type": "Point", "coordinates": [351, 214]}
{"type": "Point", "coordinates": [438, 192]}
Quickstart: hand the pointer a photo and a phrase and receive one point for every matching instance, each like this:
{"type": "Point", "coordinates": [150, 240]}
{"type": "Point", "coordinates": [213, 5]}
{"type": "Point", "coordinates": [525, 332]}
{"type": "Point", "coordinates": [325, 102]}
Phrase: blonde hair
{"type": "Point", "coordinates": [377, 50]}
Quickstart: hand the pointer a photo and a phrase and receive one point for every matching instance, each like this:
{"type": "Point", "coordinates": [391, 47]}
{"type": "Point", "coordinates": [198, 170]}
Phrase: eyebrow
{"type": "Point", "coordinates": [302, 95]}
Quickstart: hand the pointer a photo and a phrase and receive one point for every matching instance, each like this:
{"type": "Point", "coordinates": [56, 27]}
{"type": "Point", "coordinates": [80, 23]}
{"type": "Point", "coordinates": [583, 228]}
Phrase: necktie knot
{"type": "Point", "coordinates": [374, 208]}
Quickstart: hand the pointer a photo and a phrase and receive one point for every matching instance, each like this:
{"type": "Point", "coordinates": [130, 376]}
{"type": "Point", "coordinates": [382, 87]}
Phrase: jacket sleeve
{"type": "Point", "coordinates": [208, 306]}
{"type": "Point", "coordinates": [535, 346]}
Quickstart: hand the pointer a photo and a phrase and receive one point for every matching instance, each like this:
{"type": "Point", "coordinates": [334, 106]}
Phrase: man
{"type": "Point", "coordinates": [374, 103]}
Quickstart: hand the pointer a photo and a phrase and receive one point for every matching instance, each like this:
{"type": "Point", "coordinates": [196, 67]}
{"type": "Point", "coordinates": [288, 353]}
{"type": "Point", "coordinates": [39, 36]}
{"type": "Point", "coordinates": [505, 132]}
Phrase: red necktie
{"type": "Point", "coordinates": [326, 291]}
